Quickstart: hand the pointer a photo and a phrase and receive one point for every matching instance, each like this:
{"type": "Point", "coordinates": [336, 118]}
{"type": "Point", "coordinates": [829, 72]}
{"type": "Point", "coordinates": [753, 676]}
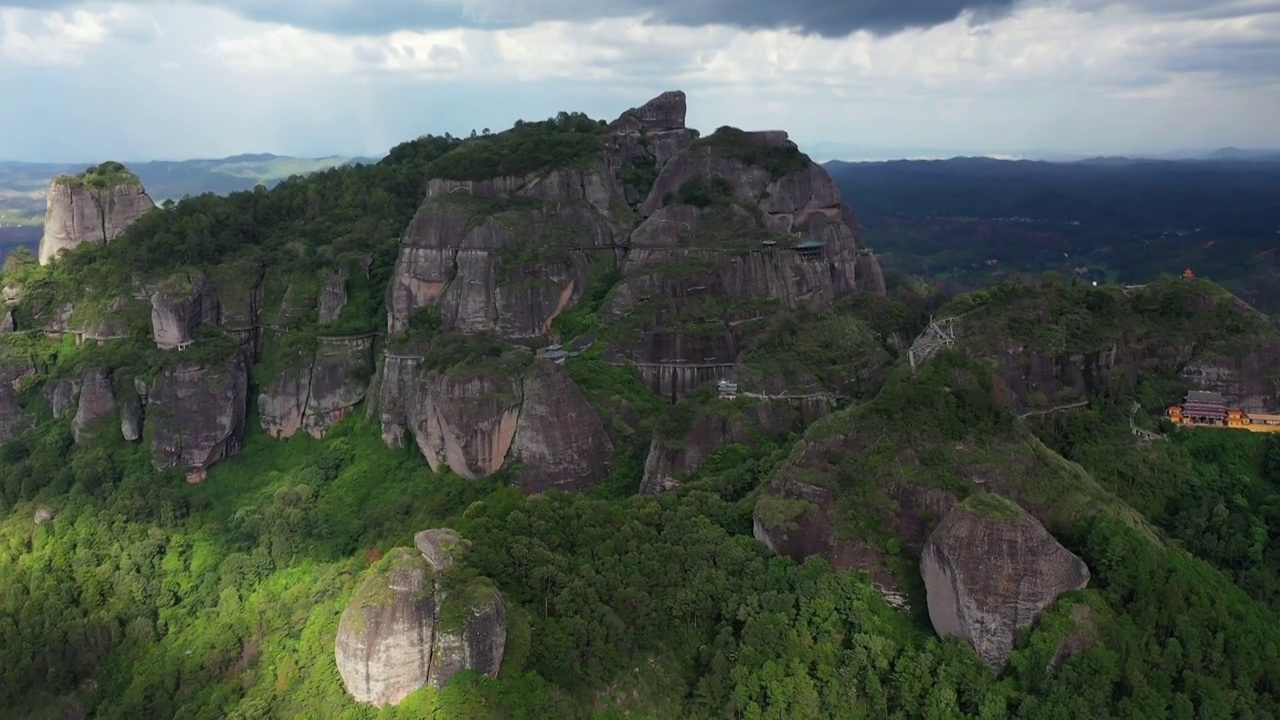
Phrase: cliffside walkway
{"type": "Point", "coordinates": [1059, 408]}
{"type": "Point", "coordinates": [1138, 432]}
{"type": "Point", "coordinates": [787, 396]}
{"type": "Point", "coordinates": [938, 335]}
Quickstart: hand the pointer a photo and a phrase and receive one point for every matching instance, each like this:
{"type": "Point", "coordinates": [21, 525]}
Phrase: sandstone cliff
{"type": "Point", "coordinates": [418, 620]}
{"type": "Point", "coordinates": [989, 571]}
{"type": "Point", "coordinates": [97, 404]}
{"type": "Point", "coordinates": [317, 391]}
{"type": "Point", "coordinates": [95, 206]}
{"type": "Point", "coordinates": [1055, 345]}
{"type": "Point", "coordinates": [731, 228]}
{"type": "Point", "coordinates": [196, 415]}
{"type": "Point", "coordinates": [476, 419]}
{"type": "Point", "coordinates": [12, 415]}
{"type": "Point", "coordinates": [671, 459]}
{"type": "Point", "coordinates": [180, 306]}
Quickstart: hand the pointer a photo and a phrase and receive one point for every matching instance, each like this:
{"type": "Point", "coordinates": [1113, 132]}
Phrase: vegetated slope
{"type": "Point", "coordinates": [974, 221]}
{"type": "Point", "coordinates": [315, 445]}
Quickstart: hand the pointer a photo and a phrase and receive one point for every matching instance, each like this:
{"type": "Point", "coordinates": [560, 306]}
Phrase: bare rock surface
{"type": "Point", "coordinates": [97, 403]}
{"type": "Point", "coordinates": [317, 391]}
{"type": "Point", "coordinates": [418, 620]}
{"type": "Point", "coordinates": [180, 306]}
{"type": "Point", "coordinates": [197, 414]}
{"type": "Point", "coordinates": [77, 213]}
{"type": "Point", "coordinates": [989, 570]}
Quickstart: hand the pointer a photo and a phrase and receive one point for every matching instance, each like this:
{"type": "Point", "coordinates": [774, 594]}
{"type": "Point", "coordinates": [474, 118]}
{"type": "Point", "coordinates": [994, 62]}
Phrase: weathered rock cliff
{"type": "Point", "coordinates": [93, 207]}
{"type": "Point", "coordinates": [418, 620]}
{"type": "Point", "coordinates": [196, 414]}
{"type": "Point", "coordinates": [989, 570]}
{"type": "Point", "coordinates": [180, 306]}
{"type": "Point", "coordinates": [319, 390]}
{"type": "Point", "coordinates": [97, 404]}
{"type": "Point", "coordinates": [671, 459]}
{"type": "Point", "coordinates": [12, 416]}
{"type": "Point", "coordinates": [476, 420]}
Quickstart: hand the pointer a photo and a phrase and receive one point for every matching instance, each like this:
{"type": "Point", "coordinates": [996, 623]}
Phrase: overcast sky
{"type": "Point", "coordinates": [161, 79]}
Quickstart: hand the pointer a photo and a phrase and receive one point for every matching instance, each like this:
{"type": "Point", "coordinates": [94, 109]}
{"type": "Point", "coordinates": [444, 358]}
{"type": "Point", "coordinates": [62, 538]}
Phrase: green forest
{"type": "Point", "coordinates": [127, 592]}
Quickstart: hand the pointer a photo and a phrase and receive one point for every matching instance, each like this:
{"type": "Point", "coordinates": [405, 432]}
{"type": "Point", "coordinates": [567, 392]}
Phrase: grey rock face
{"type": "Point", "coordinates": [469, 423]}
{"type": "Point", "coordinates": [319, 391]}
{"type": "Point", "coordinates": [78, 214]}
{"type": "Point", "coordinates": [440, 547]}
{"type": "Point", "coordinates": [97, 403]}
{"type": "Point", "coordinates": [387, 632]}
{"type": "Point", "coordinates": [333, 298]}
{"type": "Point", "coordinates": [559, 437]}
{"type": "Point", "coordinates": [131, 417]}
{"type": "Point", "coordinates": [412, 624]}
{"type": "Point", "coordinates": [476, 423]}
{"type": "Point", "coordinates": [671, 459]}
{"type": "Point", "coordinates": [197, 414]}
{"type": "Point", "coordinates": [452, 257]}
{"type": "Point", "coordinates": [179, 307]}
{"type": "Point", "coordinates": [62, 394]}
{"type": "Point", "coordinates": [7, 323]}
{"type": "Point", "coordinates": [12, 415]}
{"type": "Point", "coordinates": [43, 515]}
{"type": "Point", "coordinates": [989, 570]}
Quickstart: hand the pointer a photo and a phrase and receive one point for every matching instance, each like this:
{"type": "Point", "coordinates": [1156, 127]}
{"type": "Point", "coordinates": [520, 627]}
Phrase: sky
{"type": "Point", "coordinates": [164, 79]}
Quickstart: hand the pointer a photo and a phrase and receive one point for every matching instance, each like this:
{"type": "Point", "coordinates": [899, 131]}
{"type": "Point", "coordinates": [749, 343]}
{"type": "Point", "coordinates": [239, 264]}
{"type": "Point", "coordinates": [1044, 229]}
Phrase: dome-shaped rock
{"type": "Point", "coordinates": [409, 626]}
{"type": "Point", "coordinates": [989, 570]}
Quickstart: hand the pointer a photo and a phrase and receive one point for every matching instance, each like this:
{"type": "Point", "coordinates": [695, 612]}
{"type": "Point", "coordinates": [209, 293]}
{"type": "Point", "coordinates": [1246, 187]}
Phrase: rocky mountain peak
{"type": "Point", "coordinates": [664, 112]}
{"type": "Point", "coordinates": [94, 206]}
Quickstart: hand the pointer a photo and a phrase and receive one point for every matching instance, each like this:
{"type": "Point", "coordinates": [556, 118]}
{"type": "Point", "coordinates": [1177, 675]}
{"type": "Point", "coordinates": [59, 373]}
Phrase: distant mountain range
{"type": "Point", "coordinates": [844, 152]}
{"type": "Point", "coordinates": [23, 185]}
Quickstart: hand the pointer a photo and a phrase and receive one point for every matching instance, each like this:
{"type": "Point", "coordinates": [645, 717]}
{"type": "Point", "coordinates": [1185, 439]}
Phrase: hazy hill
{"type": "Point", "coordinates": [23, 185]}
{"type": "Point", "coordinates": [972, 221]}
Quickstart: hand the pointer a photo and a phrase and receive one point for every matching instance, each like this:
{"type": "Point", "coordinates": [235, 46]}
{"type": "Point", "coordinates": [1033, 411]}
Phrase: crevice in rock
{"type": "Point", "coordinates": [306, 400]}
{"type": "Point", "coordinates": [437, 599]}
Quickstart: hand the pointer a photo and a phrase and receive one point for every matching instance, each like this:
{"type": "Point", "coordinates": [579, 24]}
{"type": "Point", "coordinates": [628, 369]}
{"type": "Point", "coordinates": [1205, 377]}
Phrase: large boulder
{"type": "Point", "coordinates": [387, 631]}
{"type": "Point", "coordinates": [417, 620]}
{"type": "Point", "coordinates": [989, 570]}
{"type": "Point", "coordinates": [95, 207]}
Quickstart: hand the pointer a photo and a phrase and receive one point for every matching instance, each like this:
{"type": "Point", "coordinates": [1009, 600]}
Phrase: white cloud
{"type": "Point", "coordinates": [1054, 74]}
{"type": "Point", "coordinates": [59, 38]}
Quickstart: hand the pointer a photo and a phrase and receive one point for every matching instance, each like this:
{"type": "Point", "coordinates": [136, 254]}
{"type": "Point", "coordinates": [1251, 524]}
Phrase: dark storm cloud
{"type": "Point", "coordinates": [830, 18]}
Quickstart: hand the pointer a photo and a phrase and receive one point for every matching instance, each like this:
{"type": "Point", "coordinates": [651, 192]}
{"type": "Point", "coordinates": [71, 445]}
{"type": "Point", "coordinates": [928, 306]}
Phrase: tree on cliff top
{"type": "Point", "coordinates": [101, 177]}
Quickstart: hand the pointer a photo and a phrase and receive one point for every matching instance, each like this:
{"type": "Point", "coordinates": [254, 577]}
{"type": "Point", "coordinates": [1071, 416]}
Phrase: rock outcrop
{"type": "Point", "coordinates": [476, 421]}
{"type": "Point", "coordinates": [320, 390]}
{"type": "Point", "coordinates": [96, 206]}
{"type": "Point", "coordinates": [671, 459]}
{"type": "Point", "coordinates": [61, 394]}
{"type": "Point", "coordinates": [333, 298]}
{"type": "Point", "coordinates": [197, 415]}
{"type": "Point", "coordinates": [417, 621]}
{"type": "Point", "coordinates": [989, 570]}
{"type": "Point", "coordinates": [12, 415]}
{"type": "Point", "coordinates": [180, 306]}
{"type": "Point", "coordinates": [559, 438]}
{"type": "Point", "coordinates": [97, 403]}
{"type": "Point", "coordinates": [508, 264]}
